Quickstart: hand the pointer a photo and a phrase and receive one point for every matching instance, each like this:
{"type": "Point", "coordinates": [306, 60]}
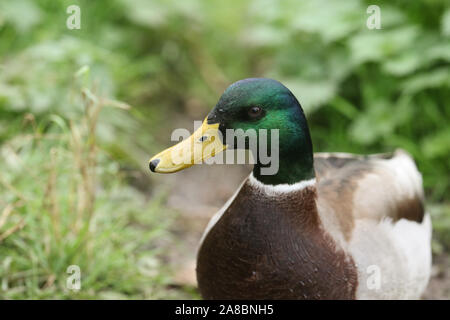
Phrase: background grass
{"type": "Point", "coordinates": [73, 182]}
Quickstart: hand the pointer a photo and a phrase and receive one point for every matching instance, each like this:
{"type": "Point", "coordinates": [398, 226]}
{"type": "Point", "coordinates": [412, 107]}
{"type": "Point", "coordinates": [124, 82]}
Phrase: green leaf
{"type": "Point", "coordinates": [22, 14]}
{"type": "Point", "coordinates": [426, 80]}
{"type": "Point", "coordinates": [375, 45]}
{"type": "Point", "coordinates": [312, 94]}
{"type": "Point", "coordinates": [437, 144]}
{"type": "Point", "coordinates": [446, 23]}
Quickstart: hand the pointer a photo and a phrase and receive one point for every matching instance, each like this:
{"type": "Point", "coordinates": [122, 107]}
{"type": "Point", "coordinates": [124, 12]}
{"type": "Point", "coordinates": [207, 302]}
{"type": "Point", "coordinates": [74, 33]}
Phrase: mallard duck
{"type": "Point", "coordinates": [324, 226]}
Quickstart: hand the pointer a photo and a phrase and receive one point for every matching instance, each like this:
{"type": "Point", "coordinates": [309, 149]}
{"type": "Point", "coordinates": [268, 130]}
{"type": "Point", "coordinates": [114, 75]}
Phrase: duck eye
{"type": "Point", "coordinates": [254, 112]}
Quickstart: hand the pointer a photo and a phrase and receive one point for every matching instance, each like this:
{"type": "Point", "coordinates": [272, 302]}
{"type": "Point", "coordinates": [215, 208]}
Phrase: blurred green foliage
{"type": "Point", "coordinates": [363, 90]}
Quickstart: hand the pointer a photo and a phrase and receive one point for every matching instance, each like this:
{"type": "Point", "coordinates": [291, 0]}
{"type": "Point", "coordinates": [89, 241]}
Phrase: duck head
{"type": "Point", "coordinates": [259, 104]}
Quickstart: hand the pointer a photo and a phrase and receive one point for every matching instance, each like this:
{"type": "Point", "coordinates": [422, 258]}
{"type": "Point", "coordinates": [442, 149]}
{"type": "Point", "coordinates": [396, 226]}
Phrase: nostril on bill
{"type": "Point", "coordinates": [153, 164]}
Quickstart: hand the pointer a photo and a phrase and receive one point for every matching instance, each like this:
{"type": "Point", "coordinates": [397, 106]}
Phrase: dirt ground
{"type": "Point", "coordinates": [197, 193]}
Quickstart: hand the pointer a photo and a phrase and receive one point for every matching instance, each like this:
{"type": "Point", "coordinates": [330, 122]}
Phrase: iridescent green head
{"type": "Point", "coordinates": [259, 103]}
{"type": "Point", "coordinates": [256, 105]}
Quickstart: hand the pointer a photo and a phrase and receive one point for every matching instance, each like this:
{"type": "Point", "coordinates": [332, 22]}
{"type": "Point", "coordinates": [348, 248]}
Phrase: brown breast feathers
{"type": "Point", "coordinates": [273, 248]}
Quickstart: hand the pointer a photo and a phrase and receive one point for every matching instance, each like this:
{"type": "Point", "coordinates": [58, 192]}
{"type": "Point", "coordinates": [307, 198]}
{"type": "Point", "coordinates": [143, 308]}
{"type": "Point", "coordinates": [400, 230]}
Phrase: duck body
{"type": "Point", "coordinates": [319, 226]}
{"type": "Point", "coordinates": [326, 238]}
{"type": "Point", "coordinates": [272, 246]}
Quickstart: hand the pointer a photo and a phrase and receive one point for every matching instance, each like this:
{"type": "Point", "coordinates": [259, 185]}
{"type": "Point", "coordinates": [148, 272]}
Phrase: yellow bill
{"type": "Point", "coordinates": [204, 143]}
